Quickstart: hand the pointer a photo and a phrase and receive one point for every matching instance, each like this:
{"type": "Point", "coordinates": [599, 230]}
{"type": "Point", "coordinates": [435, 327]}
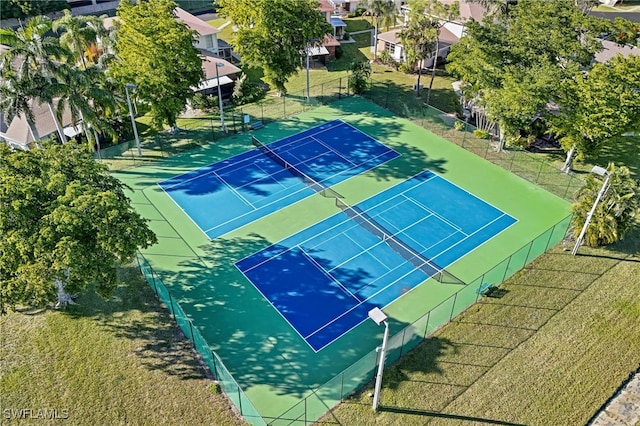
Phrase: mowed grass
{"type": "Point", "coordinates": [122, 361]}
{"type": "Point", "coordinates": [550, 350]}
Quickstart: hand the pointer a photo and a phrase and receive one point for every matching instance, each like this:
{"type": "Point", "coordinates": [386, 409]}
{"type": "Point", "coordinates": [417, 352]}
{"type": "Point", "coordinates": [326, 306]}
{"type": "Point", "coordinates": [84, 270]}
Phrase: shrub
{"type": "Point", "coordinates": [459, 125]}
{"type": "Point", "coordinates": [360, 72]}
{"type": "Point", "coordinates": [339, 52]}
{"type": "Point", "coordinates": [346, 35]}
{"type": "Point", "coordinates": [481, 134]}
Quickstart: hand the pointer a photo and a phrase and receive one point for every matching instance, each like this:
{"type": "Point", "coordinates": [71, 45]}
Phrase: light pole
{"type": "Point", "coordinates": [310, 44]}
{"type": "Point", "coordinates": [128, 86]}
{"type": "Point", "coordinates": [218, 65]}
{"type": "Point", "coordinates": [308, 54]}
{"type": "Point", "coordinates": [380, 317]}
{"type": "Point", "coordinates": [600, 171]}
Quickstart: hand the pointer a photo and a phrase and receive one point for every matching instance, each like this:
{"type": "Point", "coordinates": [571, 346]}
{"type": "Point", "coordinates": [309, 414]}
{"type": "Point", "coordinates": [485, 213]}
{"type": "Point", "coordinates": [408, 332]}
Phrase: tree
{"type": "Point", "coordinates": [65, 223]}
{"type": "Point", "coordinates": [32, 57]}
{"type": "Point", "coordinates": [360, 72]}
{"type": "Point", "coordinates": [77, 33]}
{"type": "Point", "coordinates": [426, 16]}
{"type": "Point", "coordinates": [500, 61]}
{"type": "Point", "coordinates": [156, 52]}
{"type": "Point", "coordinates": [22, 9]}
{"type": "Point", "coordinates": [598, 107]}
{"type": "Point", "coordinates": [274, 34]}
{"type": "Point", "coordinates": [381, 11]}
{"type": "Point", "coordinates": [614, 215]}
{"type": "Point", "coordinates": [418, 39]}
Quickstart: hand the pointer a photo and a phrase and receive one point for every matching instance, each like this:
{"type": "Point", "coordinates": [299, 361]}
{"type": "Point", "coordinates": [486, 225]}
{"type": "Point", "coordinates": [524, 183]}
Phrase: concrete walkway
{"type": "Point", "coordinates": [624, 407]}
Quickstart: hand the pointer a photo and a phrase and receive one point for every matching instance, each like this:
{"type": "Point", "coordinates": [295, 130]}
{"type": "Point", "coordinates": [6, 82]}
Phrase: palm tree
{"type": "Point", "coordinates": [614, 215]}
{"type": "Point", "coordinates": [417, 40]}
{"type": "Point", "coordinates": [33, 54]}
{"type": "Point", "coordinates": [78, 32]}
{"type": "Point", "coordinates": [14, 100]}
{"type": "Point", "coordinates": [380, 11]}
{"type": "Point", "coordinates": [89, 103]}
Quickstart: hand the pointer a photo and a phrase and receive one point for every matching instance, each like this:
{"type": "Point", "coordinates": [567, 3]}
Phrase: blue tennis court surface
{"type": "Point", "coordinates": [325, 279]}
{"type": "Point", "coordinates": [223, 196]}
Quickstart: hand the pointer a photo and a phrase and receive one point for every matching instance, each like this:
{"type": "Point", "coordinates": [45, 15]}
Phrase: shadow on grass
{"type": "Point", "coordinates": [133, 312]}
{"type": "Point", "coordinates": [435, 414]}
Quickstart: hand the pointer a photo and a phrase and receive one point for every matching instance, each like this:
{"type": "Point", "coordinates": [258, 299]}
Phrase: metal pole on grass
{"type": "Point", "coordinates": [128, 86]}
{"type": "Point", "coordinates": [601, 171]}
{"type": "Point", "coordinates": [380, 317]}
{"type": "Point", "coordinates": [219, 65]}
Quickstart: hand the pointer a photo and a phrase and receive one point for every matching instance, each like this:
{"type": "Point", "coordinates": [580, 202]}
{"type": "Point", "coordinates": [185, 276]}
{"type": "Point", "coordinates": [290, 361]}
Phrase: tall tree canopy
{"type": "Point", "coordinates": [63, 220]}
{"type": "Point", "coordinates": [274, 34]}
{"type": "Point", "coordinates": [156, 53]}
{"type": "Point", "coordinates": [600, 106]}
{"type": "Point", "coordinates": [514, 66]}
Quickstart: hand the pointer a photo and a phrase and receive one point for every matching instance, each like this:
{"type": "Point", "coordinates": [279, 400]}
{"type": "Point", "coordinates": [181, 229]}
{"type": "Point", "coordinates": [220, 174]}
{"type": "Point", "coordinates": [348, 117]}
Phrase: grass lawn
{"type": "Point", "coordinates": [122, 361]}
{"type": "Point", "coordinates": [555, 345]}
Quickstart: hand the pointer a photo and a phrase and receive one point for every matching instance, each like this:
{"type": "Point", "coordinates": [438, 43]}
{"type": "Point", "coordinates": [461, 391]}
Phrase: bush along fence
{"type": "Point", "coordinates": [323, 398]}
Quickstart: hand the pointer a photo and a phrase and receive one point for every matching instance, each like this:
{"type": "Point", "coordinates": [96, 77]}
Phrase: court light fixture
{"type": "Point", "coordinates": [128, 86]}
{"type": "Point", "coordinates": [380, 317]}
{"type": "Point", "coordinates": [600, 171]}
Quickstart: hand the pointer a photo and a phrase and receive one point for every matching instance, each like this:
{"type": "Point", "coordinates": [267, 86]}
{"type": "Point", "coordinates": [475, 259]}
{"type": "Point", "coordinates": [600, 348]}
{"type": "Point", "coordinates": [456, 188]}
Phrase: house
{"type": "Point", "coordinates": [207, 34]}
{"type": "Point", "coordinates": [19, 133]}
{"type": "Point", "coordinates": [450, 33]}
{"type": "Point", "coordinates": [390, 41]}
{"type": "Point", "coordinates": [217, 71]}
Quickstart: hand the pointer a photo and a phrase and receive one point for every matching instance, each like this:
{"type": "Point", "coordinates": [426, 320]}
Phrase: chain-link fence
{"type": "Point", "coordinates": [530, 166]}
{"type": "Point", "coordinates": [202, 130]}
{"type": "Point", "coordinates": [362, 371]}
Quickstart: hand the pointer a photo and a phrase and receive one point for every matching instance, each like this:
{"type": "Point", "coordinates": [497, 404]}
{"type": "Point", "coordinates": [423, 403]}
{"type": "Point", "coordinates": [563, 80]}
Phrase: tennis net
{"type": "Point", "coordinates": [306, 179]}
{"type": "Point", "coordinates": [412, 256]}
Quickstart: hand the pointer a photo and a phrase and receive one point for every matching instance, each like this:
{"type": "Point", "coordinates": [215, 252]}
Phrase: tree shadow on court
{"type": "Point", "coordinates": [257, 344]}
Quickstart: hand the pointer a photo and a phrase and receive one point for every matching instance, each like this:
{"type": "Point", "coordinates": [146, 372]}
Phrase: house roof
{"type": "Point", "coordinates": [209, 61]}
{"type": "Point", "coordinates": [19, 132]}
{"type": "Point", "coordinates": [325, 6]}
{"type": "Point", "coordinates": [195, 23]}
{"type": "Point", "coordinates": [446, 37]}
{"type": "Point", "coordinates": [611, 49]}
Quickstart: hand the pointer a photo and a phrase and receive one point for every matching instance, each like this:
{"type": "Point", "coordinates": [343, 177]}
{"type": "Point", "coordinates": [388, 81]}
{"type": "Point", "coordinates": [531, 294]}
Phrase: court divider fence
{"type": "Point", "coordinates": [361, 372]}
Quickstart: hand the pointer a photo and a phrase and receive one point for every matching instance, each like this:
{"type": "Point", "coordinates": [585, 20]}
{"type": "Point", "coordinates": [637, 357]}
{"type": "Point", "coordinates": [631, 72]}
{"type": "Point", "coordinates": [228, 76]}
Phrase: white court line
{"type": "Point", "coordinates": [475, 232]}
{"type": "Point", "coordinates": [264, 296]}
{"type": "Point", "coordinates": [233, 190]}
{"type": "Point", "coordinates": [427, 209]}
{"type": "Point", "coordinates": [326, 273]}
{"type": "Point", "coordinates": [333, 150]}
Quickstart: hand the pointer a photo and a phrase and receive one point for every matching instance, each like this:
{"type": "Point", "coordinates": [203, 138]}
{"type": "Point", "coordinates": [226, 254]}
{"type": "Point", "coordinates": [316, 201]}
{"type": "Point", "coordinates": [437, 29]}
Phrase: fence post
{"type": "Point", "coordinates": [453, 306]}
{"type": "Point", "coordinates": [342, 386]}
{"type": "Point", "coordinates": [426, 326]}
{"type": "Point", "coordinates": [173, 314]}
{"type": "Point", "coordinates": [340, 88]}
{"type": "Point", "coordinates": [239, 399]}
{"type": "Point", "coordinates": [539, 172]}
{"type": "Point", "coordinates": [215, 369]}
{"type": "Point", "coordinates": [404, 332]}
{"type": "Point", "coordinates": [193, 339]}
{"type": "Point", "coordinates": [284, 106]}
{"type": "Point", "coordinates": [464, 134]}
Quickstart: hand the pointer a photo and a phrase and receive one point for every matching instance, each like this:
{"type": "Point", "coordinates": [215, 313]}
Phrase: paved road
{"type": "Point", "coordinates": [624, 407]}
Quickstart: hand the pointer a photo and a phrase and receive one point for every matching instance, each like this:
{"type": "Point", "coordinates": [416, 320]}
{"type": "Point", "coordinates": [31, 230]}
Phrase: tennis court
{"type": "Point", "coordinates": [261, 181]}
{"type": "Point", "coordinates": [392, 216]}
{"type": "Point", "coordinates": [371, 254]}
